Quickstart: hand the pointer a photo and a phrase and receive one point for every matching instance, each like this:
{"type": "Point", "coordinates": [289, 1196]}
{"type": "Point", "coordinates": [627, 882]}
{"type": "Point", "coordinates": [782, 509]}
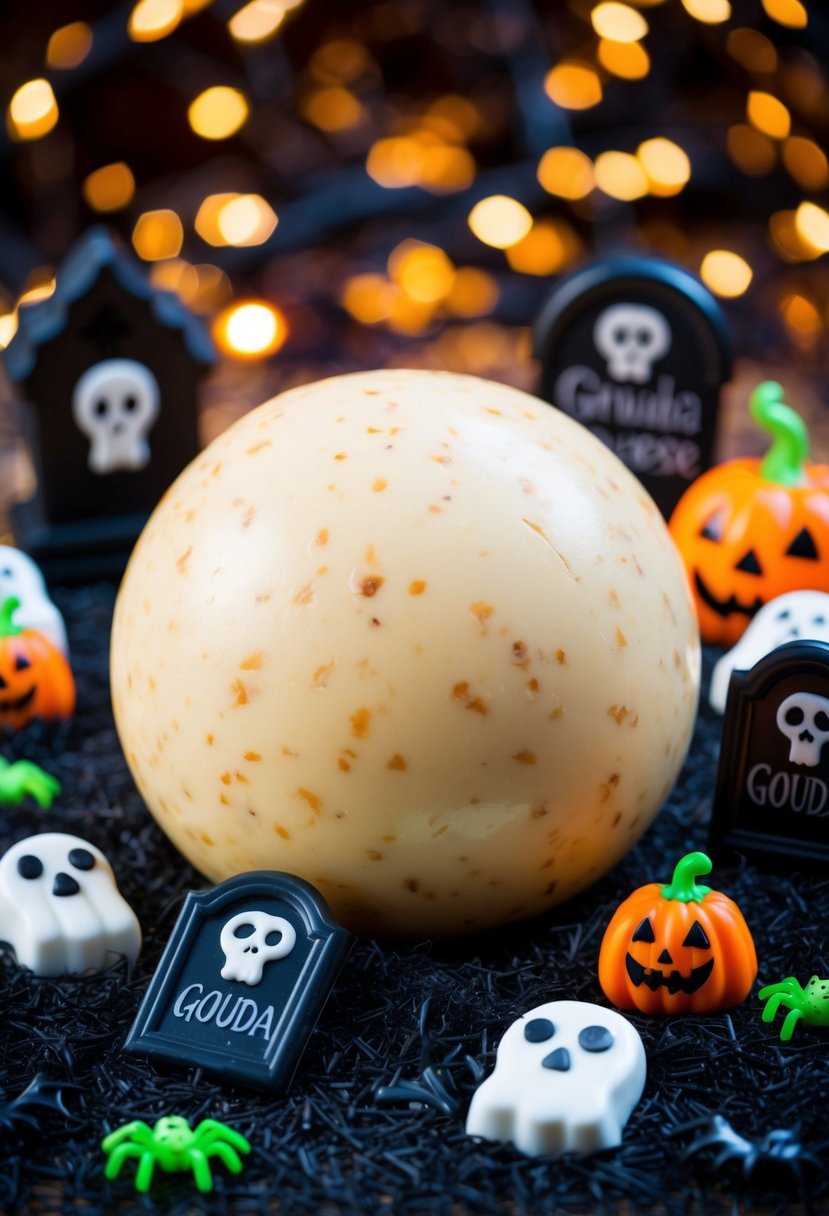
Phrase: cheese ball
{"type": "Point", "coordinates": [416, 637]}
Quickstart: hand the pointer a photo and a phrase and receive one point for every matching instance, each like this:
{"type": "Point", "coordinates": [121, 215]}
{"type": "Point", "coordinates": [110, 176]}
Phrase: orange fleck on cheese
{"type": "Point", "coordinates": [361, 723]}
{"type": "Point", "coordinates": [320, 676]}
{"type": "Point", "coordinates": [240, 692]}
{"type": "Point", "coordinates": [253, 757]}
{"type": "Point", "coordinates": [561, 658]}
{"type": "Point", "coordinates": [481, 612]}
{"type": "Point", "coordinates": [322, 536]}
{"type": "Point", "coordinates": [460, 692]}
{"type": "Point", "coordinates": [621, 640]}
{"type": "Point", "coordinates": [209, 739]}
{"type": "Point", "coordinates": [252, 663]}
{"type": "Point", "coordinates": [341, 456]}
{"type": "Point", "coordinates": [181, 560]}
{"type": "Point", "coordinates": [225, 778]}
{"type": "Point", "coordinates": [397, 763]}
{"type": "Point", "coordinates": [224, 801]}
{"type": "Point", "coordinates": [311, 798]}
{"type": "Point", "coordinates": [280, 831]}
{"type": "Point", "coordinates": [525, 757]}
{"type": "Point", "coordinates": [379, 484]}
{"type": "Point", "coordinates": [370, 585]}
{"type": "Point", "coordinates": [417, 586]}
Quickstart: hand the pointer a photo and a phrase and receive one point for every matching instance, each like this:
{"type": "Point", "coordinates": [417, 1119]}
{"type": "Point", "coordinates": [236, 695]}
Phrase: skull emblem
{"type": "Point", "coordinates": [804, 719]}
{"type": "Point", "coordinates": [631, 337]}
{"type": "Point", "coordinates": [250, 940]}
{"type": "Point", "coordinates": [115, 403]}
{"type": "Point", "coordinates": [567, 1076]}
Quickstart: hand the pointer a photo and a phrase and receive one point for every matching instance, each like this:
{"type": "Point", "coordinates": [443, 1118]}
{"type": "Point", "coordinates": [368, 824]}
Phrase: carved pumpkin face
{"type": "Point", "coordinates": [678, 949]}
{"type": "Point", "coordinates": [750, 530]}
{"type": "Point", "coordinates": [35, 678]}
{"type": "Point", "coordinates": [745, 541]}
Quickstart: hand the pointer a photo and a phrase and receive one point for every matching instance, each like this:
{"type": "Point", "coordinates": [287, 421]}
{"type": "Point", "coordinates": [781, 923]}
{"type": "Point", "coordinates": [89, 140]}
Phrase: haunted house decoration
{"type": "Point", "coordinates": [637, 349]}
{"type": "Point", "coordinates": [772, 794]}
{"type": "Point", "coordinates": [108, 367]}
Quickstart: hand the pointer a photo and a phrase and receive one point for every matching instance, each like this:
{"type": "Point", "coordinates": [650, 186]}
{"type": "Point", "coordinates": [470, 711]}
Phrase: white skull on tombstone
{"type": "Point", "coordinates": [567, 1076]}
{"type": "Point", "coordinates": [631, 337]}
{"type": "Point", "coordinates": [248, 945]}
{"type": "Point", "coordinates": [115, 403]}
{"type": "Point", "coordinates": [804, 719]}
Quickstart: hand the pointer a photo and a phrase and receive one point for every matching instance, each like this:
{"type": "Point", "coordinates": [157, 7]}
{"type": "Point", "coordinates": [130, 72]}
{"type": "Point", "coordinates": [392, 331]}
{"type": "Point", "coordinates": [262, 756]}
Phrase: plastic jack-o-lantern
{"type": "Point", "coordinates": [681, 948]}
{"type": "Point", "coordinates": [35, 678]}
{"type": "Point", "coordinates": [750, 529]}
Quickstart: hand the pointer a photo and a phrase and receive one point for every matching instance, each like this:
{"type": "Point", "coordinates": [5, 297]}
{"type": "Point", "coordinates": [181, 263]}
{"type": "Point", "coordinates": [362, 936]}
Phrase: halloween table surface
{"type": "Point", "coordinates": [422, 1018]}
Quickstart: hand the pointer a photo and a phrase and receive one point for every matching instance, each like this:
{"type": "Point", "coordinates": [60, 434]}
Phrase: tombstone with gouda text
{"type": "Point", "coordinates": [637, 350]}
{"type": "Point", "coordinates": [772, 795]}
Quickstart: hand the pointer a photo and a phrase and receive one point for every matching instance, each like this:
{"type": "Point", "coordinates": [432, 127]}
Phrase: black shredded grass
{"type": "Point", "coordinates": [374, 1120]}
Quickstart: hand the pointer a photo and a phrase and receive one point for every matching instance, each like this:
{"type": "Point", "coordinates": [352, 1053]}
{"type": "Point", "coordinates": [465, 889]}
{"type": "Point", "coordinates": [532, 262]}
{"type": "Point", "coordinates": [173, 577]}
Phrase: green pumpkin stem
{"type": "Point", "coordinates": [8, 629]}
{"type": "Point", "coordinates": [682, 886]}
{"type": "Point", "coordinates": [785, 461]}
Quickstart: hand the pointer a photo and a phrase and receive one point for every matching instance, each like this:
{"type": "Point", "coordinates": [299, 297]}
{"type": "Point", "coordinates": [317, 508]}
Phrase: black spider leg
{"type": "Point", "coordinates": [716, 1132]}
{"type": "Point", "coordinates": [43, 1091]}
{"type": "Point", "coordinates": [435, 1086]}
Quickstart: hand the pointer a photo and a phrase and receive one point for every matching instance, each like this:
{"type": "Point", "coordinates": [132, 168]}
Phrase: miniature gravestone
{"type": "Point", "coordinates": [243, 979]}
{"type": "Point", "coordinates": [109, 368]}
{"type": "Point", "coordinates": [637, 350]}
{"type": "Point", "coordinates": [772, 796]}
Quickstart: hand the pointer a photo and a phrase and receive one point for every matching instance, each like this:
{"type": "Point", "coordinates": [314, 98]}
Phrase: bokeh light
{"type": "Point", "coordinates": [790, 13]}
{"type": "Point", "coordinates": [218, 112]}
{"type": "Point", "coordinates": [666, 165]}
{"type": "Point", "coordinates": [573, 85]}
{"type": "Point", "coordinates": [618, 22]}
{"type": "Point", "coordinates": [812, 224]}
{"type": "Point", "coordinates": [151, 20]}
{"type": "Point", "coordinates": [620, 175]}
{"type": "Point", "coordinates": [500, 221]}
{"type": "Point", "coordinates": [69, 45]}
{"type": "Point", "coordinates": [710, 12]}
{"type": "Point", "coordinates": [109, 188]}
{"type": "Point", "coordinates": [566, 172]}
{"type": "Point", "coordinates": [33, 110]}
{"type": "Point", "coordinates": [250, 329]}
{"type": "Point", "coordinates": [768, 114]}
{"type": "Point", "coordinates": [725, 273]}
{"type": "Point", "coordinates": [157, 234]}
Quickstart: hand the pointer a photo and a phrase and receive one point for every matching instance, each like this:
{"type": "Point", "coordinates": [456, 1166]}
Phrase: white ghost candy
{"type": "Point", "coordinates": [798, 614]}
{"type": "Point", "coordinates": [19, 576]}
{"type": "Point", "coordinates": [567, 1076]}
{"type": "Point", "coordinates": [60, 908]}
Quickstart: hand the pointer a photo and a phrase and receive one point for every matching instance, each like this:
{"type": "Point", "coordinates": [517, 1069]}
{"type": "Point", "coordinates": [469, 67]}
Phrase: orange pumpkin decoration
{"type": "Point", "coordinates": [35, 678]}
{"type": "Point", "coordinates": [678, 949]}
{"type": "Point", "coordinates": [750, 529]}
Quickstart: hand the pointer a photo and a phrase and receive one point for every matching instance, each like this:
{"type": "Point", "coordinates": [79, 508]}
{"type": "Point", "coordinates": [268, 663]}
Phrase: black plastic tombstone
{"type": "Point", "coordinates": [243, 979]}
{"type": "Point", "coordinates": [772, 794]}
{"type": "Point", "coordinates": [109, 368]}
{"type": "Point", "coordinates": [637, 349]}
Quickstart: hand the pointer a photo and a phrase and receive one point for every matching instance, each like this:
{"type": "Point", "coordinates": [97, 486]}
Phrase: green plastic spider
{"type": "Point", "coordinates": [174, 1146]}
{"type": "Point", "coordinates": [810, 1003]}
{"type": "Point", "coordinates": [22, 778]}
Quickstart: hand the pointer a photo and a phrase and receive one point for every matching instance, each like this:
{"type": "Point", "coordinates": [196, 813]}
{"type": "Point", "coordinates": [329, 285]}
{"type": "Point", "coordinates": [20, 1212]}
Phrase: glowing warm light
{"type": "Point", "coordinates": [768, 115]}
{"type": "Point", "coordinates": [369, 298]}
{"type": "Point", "coordinates": [725, 273]}
{"type": "Point", "coordinates": [218, 112]}
{"type": "Point", "coordinates": [110, 187]}
{"type": "Point", "coordinates": [446, 168]}
{"type": "Point", "coordinates": [812, 224]}
{"type": "Point", "coordinates": [786, 238]}
{"type": "Point", "coordinates": [618, 22]}
{"type": "Point", "coordinates": [474, 293]}
{"type": "Point", "coordinates": [711, 12]}
{"type": "Point", "coordinates": [250, 329]}
{"type": "Point", "coordinates": [753, 50]}
{"type": "Point", "coordinates": [620, 175]}
{"type": "Point", "coordinates": [424, 271]}
{"type": "Point", "coordinates": [151, 20]}
{"type": "Point", "coordinates": [408, 316]}
{"type": "Point", "coordinates": [257, 21]}
{"type": "Point", "coordinates": [628, 60]}
{"type": "Point", "coordinates": [574, 86]}
{"type": "Point", "coordinates": [566, 172]}
{"type": "Point", "coordinates": [157, 235]}
{"type": "Point", "coordinates": [461, 118]}
{"type": "Point", "coordinates": [666, 165]}
{"type": "Point", "coordinates": [32, 111]}
{"type": "Point", "coordinates": [790, 13]}
{"type": "Point", "coordinates": [333, 109]}
{"type": "Point", "coordinates": [420, 159]}
{"type": "Point", "coordinates": [499, 221]}
{"type": "Point", "coordinates": [395, 162]}
{"type": "Point", "coordinates": [540, 252]}
{"type": "Point", "coordinates": [213, 289]}
{"type": "Point", "coordinates": [69, 45]}
{"type": "Point", "coordinates": [801, 316]}
{"type": "Point", "coordinates": [806, 162]}
{"type": "Point", "coordinates": [340, 61]}
{"type": "Point", "coordinates": [176, 275]}
{"type": "Point", "coordinates": [8, 328]}
{"type": "Point", "coordinates": [750, 150]}
{"type": "Point", "coordinates": [38, 286]}
{"type": "Point", "coordinates": [246, 220]}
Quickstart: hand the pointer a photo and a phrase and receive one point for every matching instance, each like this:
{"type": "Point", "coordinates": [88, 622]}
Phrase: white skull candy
{"type": "Point", "coordinates": [19, 576]}
{"type": "Point", "coordinates": [797, 614]}
{"type": "Point", "coordinates": [60, 908]}
{"type": "Point", "coordinates": [631, 337]}
{"type": "Point", "coordinates": [567, 1076]}
{"type": "Point", "coordinates": [804, 719]}
{"type": "Point", "coordinates": [115, 403]}
{"type": "Point", "coordinates": [247, 954]}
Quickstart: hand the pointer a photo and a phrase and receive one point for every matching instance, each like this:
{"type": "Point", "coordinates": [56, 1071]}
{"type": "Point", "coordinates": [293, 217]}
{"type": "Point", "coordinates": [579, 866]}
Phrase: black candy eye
{"type": "Point", "coordinates": [29, 866]}
{"type": "Point", "coordinates": [696, 937]}
{"type": "Point", "coordinates": [244, 930]}
{"type": "Point", "coordinates": [595, 1038]}
{"type": "Point", "coordinates": [794, 716]}
{"type": "Point", "coordinates": [644, 932]}
{"type": "Point", "coordinates": [714, 527]}
{"type": "Point", "coordinates": [821, 720]}
{"type": "Point", "coordinates": [803, 545]}
{"type": "Point", "coordinates": [21, 663]}
{"type": "Point", "coordinates": [81, 859]}
{"type": "Point", "coordinates": [749, 564]}
{"type": "Point", "coordinates": [538, 1030]}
